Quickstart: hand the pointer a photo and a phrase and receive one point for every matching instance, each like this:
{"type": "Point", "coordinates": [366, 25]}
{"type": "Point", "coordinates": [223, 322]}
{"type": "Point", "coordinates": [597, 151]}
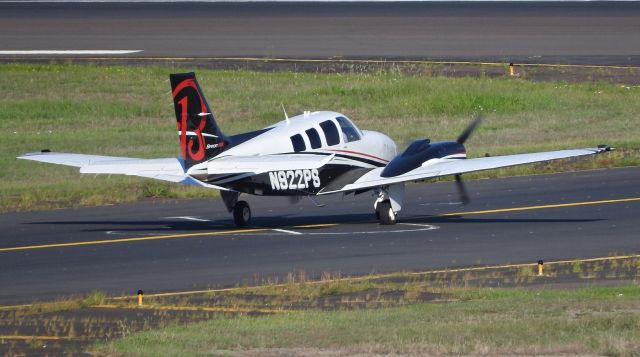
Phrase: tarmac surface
{"type": "Point", "coordinates": [603, 33]}
{"type": "Point", "coordinates": [182, 245]}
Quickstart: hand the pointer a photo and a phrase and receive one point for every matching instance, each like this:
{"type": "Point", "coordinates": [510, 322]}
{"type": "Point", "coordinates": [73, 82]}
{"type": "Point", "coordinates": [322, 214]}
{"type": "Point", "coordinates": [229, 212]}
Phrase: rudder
{"type": "Point", "coordinates": [200, 136]}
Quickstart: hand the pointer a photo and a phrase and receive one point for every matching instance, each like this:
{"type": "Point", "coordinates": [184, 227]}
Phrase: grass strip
{"type": "Point", "coordinates": [602, 320]}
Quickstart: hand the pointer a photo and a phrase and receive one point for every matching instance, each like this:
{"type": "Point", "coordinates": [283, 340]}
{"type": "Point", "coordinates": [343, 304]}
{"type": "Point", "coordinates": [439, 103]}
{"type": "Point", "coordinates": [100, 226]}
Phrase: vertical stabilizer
{"type": "Point", "coordinates": [200, 136]}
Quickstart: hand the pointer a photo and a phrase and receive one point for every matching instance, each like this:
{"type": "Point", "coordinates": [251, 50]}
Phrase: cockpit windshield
{"type": "Point", "coordinates": [349, 131]}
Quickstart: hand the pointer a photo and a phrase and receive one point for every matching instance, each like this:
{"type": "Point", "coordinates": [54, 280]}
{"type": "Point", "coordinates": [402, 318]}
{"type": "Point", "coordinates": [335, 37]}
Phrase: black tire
{"type": "Point", "coordinates": [385, 212]}
{"type": "Point", "coordinates": [241, 213]}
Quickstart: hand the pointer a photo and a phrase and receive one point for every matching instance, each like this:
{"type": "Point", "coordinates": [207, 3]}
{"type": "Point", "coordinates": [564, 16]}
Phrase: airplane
{"type": "Point", "coordinates": [311, 154]}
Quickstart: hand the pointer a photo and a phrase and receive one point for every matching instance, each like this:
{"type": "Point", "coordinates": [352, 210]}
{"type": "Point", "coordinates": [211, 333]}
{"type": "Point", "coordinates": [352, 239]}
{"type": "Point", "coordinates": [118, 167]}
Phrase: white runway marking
{"type": "Point", "coordinates": [125, 233]}
{"type": "Point", "coordinates": [441, 203]}
{"type": "Point", "coordinates": [415, 227]}
{"type": "Point", "coordinates": [286, 231]}
{"type": "Point", "coordinates": [426, 227]}
{"type": "Point", "coordinates": [69, 52]}
{"type": "Point", "coordinates": [418, 228]}
{"type": "Point", "coordinates": [189, 218]}
{"type": "Point", "coordinates": [417, 224]}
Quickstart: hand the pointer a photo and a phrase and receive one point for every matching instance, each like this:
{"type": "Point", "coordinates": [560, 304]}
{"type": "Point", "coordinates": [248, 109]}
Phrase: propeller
{"type": "Point", "coordinates": [469, 129]}
{"type": "Point", "coordinates": [462, 190]}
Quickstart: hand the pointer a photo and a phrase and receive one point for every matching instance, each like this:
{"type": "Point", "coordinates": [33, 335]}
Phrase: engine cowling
{"type": "Point", "coordinates": [419, 152]}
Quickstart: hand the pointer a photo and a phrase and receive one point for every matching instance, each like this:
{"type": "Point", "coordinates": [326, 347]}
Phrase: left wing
{"type": "Point", "coordinates": [169, 169]}
{"type": "Point", "coordinates": [172, 169]}
{"type": "Point", "coordinates": [443, 167]}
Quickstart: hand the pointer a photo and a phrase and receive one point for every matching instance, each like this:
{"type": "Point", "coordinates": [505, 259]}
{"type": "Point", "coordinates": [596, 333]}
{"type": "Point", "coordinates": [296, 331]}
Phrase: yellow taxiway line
{"type": "Point", "coordinates": [357, 278]}
{"type": "Point", "coordinates": [359, 61]}
{"type": "Point", "coordinates": [134, 239]}
{"type": "Point", "coordinates": [387, 275]}
{"type": "Point", "coordinates": [29, 338]}
{"type": "Point", "coordinates": [254, 230]}
{"type": "Point", "coordinates": [528, 208]}
{"type": "Point", "coordinates": [13, 307]}
{"type": "Point", "coordinates": [196, 308]}
{"type": "Point", "coordinates": [321, 225]}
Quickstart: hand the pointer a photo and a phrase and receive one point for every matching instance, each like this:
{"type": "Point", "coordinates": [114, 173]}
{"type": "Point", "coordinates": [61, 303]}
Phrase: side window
{"type": "Point", "coordinates": [349, 131]}
{"type": "Point", "coordinates": [330, 132]}
{"type": "Point", "coordinates": [314, 138]}
{"type": "Point", "coordinates": [298, 143]}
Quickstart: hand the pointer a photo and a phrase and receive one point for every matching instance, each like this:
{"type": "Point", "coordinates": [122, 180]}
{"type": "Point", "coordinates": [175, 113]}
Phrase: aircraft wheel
{"type": "Point", "coordinates": [241, 213]}
{"type": "Point", "coordinates": [385, 212]}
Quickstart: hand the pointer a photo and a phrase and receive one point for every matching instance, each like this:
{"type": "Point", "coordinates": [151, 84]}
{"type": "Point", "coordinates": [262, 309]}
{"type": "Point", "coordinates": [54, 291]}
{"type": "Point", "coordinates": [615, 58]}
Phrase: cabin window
{"type": "Point", "coordinates": [348, 130]}
{"type": "Point", "coordinates": [314, 138]}
{"type": "Point", "coordinates": [330, 132]}
{"type": "Point", "coordinates": [298, 143]}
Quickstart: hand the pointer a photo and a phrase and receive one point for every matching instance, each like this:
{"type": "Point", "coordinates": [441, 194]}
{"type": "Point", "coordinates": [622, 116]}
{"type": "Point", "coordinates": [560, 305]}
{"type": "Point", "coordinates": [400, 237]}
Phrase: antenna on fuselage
{"type": "Point", "coordinates": [285, 113]}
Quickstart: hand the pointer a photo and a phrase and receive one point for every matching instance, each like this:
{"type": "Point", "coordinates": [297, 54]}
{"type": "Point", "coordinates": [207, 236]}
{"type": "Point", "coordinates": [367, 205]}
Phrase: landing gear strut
{"type": "Point", "coordinates": [388, 203]}
{"type": "Point", "coordinates": [240, 209]}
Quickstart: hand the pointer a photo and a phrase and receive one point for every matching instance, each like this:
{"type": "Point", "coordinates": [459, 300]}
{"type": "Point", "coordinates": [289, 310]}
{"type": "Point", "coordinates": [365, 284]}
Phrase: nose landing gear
{"type": "Point", "coordinates": [384, 213]}
{"type": "Point", "coordinates": [389, 203]}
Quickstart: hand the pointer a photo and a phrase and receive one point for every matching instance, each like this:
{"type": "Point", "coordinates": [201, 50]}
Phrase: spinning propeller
{"type": "Point", "coordinates": [462, 190]}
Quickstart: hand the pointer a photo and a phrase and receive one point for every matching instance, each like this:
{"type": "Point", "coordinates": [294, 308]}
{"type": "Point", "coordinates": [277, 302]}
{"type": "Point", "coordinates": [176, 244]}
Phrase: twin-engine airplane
{"type": "Point", "coordinates": [316, 153]}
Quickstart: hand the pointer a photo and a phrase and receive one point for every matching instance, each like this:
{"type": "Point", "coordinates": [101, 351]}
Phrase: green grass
{"type": "Point", "coordinates": [127, 111]}
{"type": "Point", "coordinates": [603, 321]}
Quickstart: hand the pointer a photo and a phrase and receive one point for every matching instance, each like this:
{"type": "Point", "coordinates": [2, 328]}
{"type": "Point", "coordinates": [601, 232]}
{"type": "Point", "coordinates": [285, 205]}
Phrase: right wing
{"type": "Point", "coordinates": [444, 167]}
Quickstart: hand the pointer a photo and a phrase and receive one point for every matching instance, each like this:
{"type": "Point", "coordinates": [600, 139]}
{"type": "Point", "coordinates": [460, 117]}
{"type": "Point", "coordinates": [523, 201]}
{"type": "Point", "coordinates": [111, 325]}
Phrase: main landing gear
{"type": "Point", "coordinates": [241, 213]}
{"type": "Point", "coordinates": [389, 203]}
{"type": "Point", "coordinates": [240, 209]}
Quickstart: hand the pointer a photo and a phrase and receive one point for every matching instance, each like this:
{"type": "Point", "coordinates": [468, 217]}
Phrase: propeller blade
{"type": "Point", "coordinates": [470, 129]}
{"type": "Point", "coordinates": [462, 190]}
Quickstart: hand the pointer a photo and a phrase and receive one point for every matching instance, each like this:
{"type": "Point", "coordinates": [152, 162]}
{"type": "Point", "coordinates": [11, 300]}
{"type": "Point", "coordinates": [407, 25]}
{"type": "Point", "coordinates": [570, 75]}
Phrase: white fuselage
{"type": "Point", "coordinates": [372, 146]}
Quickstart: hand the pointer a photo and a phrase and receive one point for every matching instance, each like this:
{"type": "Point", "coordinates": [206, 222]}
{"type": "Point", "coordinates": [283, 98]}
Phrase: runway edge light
{"type": "Point", "coordinates": [140, 294]}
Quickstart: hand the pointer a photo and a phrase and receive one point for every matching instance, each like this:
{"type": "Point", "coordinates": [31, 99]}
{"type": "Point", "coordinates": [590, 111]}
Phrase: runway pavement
{"type": "Point", "coordinates": [563, 32]}
{"type": "Point", "coordinates": [165, 246]}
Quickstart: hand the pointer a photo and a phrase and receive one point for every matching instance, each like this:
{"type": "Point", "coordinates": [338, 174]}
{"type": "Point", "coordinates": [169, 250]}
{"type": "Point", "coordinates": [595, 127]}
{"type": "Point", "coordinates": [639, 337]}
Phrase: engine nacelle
{"type": "Point", "coordinates": [419, 152]}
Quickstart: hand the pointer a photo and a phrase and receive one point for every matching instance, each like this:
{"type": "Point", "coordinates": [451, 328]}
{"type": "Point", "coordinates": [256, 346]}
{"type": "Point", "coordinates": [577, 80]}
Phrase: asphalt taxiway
{"type": "Point", "coordinates": [182, 245]}
{"type": "Point", "coordinates": [601, 32]}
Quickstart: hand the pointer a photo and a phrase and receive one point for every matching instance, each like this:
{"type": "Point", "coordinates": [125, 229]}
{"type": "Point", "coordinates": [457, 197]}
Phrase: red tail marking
{"type": "Point", "coordinates": [198, 155]}
{"type": "Point", "coordinates": [182, 127]}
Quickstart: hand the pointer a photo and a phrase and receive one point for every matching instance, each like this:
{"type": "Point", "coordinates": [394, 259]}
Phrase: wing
{"type": "Point", "coordinates": [443, 167]}
{"type": "Point", "coordinates": [169, 169]}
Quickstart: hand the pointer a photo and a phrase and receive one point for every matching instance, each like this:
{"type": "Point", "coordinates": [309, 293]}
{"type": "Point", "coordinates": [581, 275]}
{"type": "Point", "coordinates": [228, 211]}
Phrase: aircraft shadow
{"type": "Point", "coordinates": [291, 221]}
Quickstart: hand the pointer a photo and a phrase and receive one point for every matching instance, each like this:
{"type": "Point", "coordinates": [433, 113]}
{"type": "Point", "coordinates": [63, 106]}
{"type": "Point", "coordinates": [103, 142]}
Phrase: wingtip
{"type": "Point", "coordinates": [26, 156]}
{"type": "Point", "coordinates": [605, 147]}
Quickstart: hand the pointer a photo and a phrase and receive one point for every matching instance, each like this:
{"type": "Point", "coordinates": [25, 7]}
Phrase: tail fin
{"type": "Point", "coordinates": [200, 136]}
